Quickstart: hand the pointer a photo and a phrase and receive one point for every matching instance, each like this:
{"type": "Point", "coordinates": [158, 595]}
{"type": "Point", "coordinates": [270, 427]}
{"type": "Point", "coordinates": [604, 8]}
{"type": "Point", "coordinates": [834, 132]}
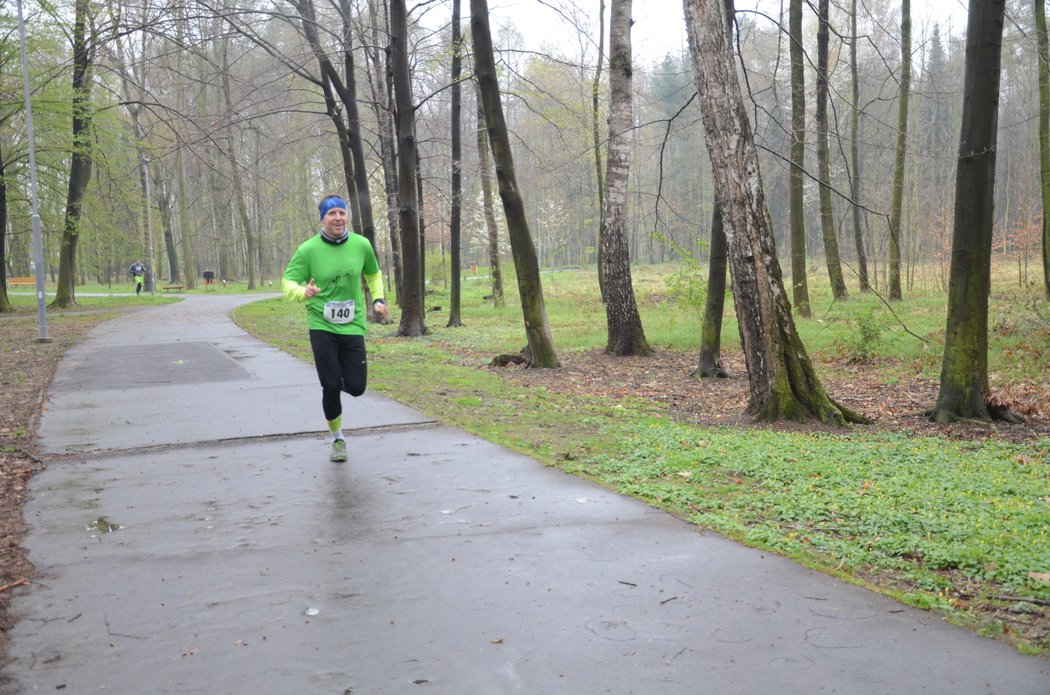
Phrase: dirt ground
{"type": "Point", "coordinates": [26, 368]}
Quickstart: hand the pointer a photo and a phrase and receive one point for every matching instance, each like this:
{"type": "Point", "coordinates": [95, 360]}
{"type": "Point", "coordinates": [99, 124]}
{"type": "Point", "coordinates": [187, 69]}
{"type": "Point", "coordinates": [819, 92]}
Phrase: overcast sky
{"type": "Point", "coordinates": [658, 24]}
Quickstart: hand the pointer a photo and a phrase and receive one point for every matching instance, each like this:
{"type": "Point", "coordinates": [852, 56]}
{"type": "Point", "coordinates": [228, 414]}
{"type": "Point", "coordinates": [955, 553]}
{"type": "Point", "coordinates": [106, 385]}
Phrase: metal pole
{"type": "Point", "coordinates": [38, 242]}
{"type": "Point", "coordinates": [149, 228]}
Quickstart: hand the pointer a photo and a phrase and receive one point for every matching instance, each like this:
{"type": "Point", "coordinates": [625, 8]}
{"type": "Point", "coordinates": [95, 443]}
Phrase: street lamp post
{"type": "Point", "coordinates": [38, 243]}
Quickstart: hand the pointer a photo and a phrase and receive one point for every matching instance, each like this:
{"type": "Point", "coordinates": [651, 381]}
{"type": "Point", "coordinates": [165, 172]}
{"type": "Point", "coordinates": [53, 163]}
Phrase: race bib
{"type": "Point", "coordinates": [339, 312]}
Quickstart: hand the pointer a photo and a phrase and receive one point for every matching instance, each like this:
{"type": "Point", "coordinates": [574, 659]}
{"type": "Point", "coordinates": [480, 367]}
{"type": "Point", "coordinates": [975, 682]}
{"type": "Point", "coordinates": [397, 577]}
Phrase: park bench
{"type": "Point", "coordinates": [20, 281]}
{"type": "Point", "coordinates": [173, 288]}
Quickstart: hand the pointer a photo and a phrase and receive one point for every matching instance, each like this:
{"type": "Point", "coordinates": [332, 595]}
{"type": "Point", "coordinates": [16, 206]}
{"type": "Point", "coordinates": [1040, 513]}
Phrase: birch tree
{"type": "Point", "coordinates": [782, 381]}
{"type": "Point", "coordinates": [624, 324]}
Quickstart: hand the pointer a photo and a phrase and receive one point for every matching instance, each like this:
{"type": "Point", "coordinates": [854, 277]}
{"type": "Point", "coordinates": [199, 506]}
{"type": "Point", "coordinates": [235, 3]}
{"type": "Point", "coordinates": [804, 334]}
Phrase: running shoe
{"type": "Point", "coordinates": [338, 451]}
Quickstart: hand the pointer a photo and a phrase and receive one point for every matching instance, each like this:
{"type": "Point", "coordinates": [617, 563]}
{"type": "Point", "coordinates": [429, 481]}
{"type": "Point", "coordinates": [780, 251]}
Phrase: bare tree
{"type": "Point", "coordinates": [454, 318]}
{"type": "Point", "coordinates": [714, 303]}
{"type": "Point", "coordinates": [855, 175]}
{"type": "Point", "coordinates": [964, 386]}
{"type": "Point", "coordinates": [1043, 66]}
{"type": "Point", "coordinates": [412, 305]}
{"type": "Point", "coordinates": [827, 216]}
{"type": "Point", "coordinates": [782, 381]}
{"type": "Point", "coordinates": [530, 288]}
{"type": "Point", "coordinates": [624, 324]}
{"type": "Point", "coordinates": [80, 160]}
{"type": "Point", "coordinates": [596, 131]}
{"type": "Point", "coordinates": [799, 283]}
{"type": "Point", "coordinates": [897, 204]}
{"type": "Point", "coordinates": [489, 208]}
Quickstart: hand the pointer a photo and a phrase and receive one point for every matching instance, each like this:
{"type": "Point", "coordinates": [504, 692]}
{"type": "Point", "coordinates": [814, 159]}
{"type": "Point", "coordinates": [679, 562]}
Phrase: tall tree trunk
{"type": "Point", "coordinates": [855, 179]}
{"type": "Point", "coordinates": [162, 195]}
{"type": "Point", "coordinates": [714, 302]}
{"type": "Point", "coordinates": [345, 87]}
{"type": "Point", "coordinates": [782, 381]}
{"type": "Point", "coordinates": [1044, 134]}
{"type": "Point", "coordinates": [383, 106]}
{"type": "Point", "coordinates": [80, 159]}
{"type": "Point", "coordinates": [188, 243]}
{"type": "Point", "coordinates": [485, 169]}
{"type": "Point", "coordinates": [530, 288]}
{"type": "Point", "coordinates": [624, 324]}
{"type": "Point", "coordinates": [235, 172]}
{"type": "Point", "coordinates": [894, 268]}
{"type": "Point", "coordinates": [347, 91]}
{"type": "Point", "coordinates": [799, 283]}
{"type": "Point", "coordinates": [5, 302]}
{"type": "Point", "coordinates": [596, 131]}
{"type": "Point", "coordinates": [827, 215]}
{"type": "Point", "coordinates": [964, 369]}
{"type": "Point", "coordinates": [408, 212]}
{"type": "Point", "coordinates": [454, 318]}
{"type": "Point", "coordinates": [189, 250]}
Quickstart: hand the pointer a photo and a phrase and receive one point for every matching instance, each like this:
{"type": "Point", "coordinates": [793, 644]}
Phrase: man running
{"type": "Point", "coordinates": [325, 272]}
{"type": "Point", "coordinates": [138, 272]}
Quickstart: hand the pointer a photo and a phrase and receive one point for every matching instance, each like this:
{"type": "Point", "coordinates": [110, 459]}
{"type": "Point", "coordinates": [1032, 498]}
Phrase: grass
{"type": "Point", "coordinates": [955, 526]}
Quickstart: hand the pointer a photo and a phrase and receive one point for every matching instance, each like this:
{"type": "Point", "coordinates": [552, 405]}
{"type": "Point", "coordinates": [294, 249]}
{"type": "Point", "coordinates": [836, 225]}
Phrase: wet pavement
{"type": "Point", "coordinates": [191, 536]}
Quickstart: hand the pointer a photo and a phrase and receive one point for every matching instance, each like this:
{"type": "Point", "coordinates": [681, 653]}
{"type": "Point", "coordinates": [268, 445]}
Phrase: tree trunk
{"type": "Point", "coordinates": [625, 333]}
{"type": "Point", "coordinates": [596, 130]}
{"type": "Point", "coordinates": [530, 288]}
{"type": "Point", "coordinates": [5, 302]}
{"type": "Point", "coordinates": [162, 197]}
{"type": "Point", "coordinates": [799, 283]}
{"type": "Point", "coordinates": [454, 318]}
{"type": "Point", "coordinates": [855, 178]}
{"type": "Point", "coordinates": [235, 172]}
{"type": "Point", "coordinates": [485, 169]}
{"type": "Point", "coordinates": [714, 302]}
{"type": "Point", "coordinates": [188, 247]}
{"type": "Point", "coordinates": [347, 91]}
{"type": "Point", "coordinates": [894, 268]}
{"type": "Point", "coordinates": [382, 104]}
{"type": "Point", "coordinates": [1044, 134]}
{"type": "Point", "coordinates": [80, 159]}
{"type": "Point", "coordinates": [964, 370]}
{"type": "Point", "coordinates": [782, 381]}
{"type": "Point", "coordinates": [827, 215]}
{"type": "Point", "coordinates": [408, 212]}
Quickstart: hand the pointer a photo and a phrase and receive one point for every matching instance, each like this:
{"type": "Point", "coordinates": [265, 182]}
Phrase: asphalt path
{"type": "Point", "coordinates": [191, 536]}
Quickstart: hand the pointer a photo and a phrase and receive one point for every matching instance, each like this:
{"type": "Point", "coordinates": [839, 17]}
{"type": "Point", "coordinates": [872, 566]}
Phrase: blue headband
{"type": "Point", "coordinates": [329, 203]}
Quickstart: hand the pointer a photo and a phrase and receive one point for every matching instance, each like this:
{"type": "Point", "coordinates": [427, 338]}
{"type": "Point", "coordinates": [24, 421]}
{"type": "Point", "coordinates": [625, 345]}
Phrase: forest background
{"type": "Point", "coordinates": [196, 101]}
{"type": "Point", "coordinates": [211, 136]}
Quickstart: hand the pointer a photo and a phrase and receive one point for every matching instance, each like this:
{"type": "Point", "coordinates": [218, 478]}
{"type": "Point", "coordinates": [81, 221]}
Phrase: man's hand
{"type": "Point", "coordinates": [311, 289]}
{"type": "Point", "coordinates": [382, 312]}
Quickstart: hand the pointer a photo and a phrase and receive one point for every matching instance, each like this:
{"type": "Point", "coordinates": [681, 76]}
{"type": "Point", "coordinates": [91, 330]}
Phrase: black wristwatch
{"type": "Point", "coordinates": [378, 301]}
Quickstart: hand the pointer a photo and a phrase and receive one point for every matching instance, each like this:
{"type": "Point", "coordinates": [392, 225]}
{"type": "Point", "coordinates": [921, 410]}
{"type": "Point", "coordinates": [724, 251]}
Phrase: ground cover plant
{"type": "Point", "coordinates": [952, 519]}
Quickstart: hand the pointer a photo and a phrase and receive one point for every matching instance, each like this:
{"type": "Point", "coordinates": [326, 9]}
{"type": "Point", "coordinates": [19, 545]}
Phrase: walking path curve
{"type": "Point", "coordinates": [192, 537]}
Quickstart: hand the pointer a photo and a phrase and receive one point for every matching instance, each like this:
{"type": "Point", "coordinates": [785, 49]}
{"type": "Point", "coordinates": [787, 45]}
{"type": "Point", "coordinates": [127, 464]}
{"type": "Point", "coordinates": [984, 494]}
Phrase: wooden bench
{"type": "Point", "coordinates": [173, 288]}
{"type": "Point", "coordinates": [21, 281]}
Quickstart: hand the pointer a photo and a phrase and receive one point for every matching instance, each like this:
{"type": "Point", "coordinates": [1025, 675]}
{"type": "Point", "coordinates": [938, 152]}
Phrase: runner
{"type": "Point", "coordinates": [325, 272]}
{"type": "Point", "coordinates": [138, 272]}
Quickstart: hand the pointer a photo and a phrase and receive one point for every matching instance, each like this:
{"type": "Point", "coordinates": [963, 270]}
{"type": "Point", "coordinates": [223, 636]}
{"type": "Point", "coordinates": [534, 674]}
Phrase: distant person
{"type": "Point", "coordinates": [325, 272]}
{"type": "Point", "coordinates": [138, 272]}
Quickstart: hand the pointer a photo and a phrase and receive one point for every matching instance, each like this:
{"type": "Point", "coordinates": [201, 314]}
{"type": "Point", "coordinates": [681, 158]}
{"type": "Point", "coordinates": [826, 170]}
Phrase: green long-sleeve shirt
{"type": "Point", "coordinates": [337, 270]}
